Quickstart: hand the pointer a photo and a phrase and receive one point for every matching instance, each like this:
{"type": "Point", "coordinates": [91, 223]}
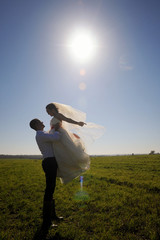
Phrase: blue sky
{"type": "Point", "coordinates": [122, 79]}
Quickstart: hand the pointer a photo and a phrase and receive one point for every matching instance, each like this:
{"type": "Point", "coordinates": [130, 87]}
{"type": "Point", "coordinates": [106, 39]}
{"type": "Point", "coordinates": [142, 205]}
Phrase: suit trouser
{"type": "Point", "coordinates": [50, 168]}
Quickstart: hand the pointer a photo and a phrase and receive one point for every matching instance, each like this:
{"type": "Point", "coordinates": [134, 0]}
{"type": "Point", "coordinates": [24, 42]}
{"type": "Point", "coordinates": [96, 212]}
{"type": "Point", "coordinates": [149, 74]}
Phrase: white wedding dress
{"type": "Point", "coordinates": [70, 153]}
{"type": "Point", "coordinates": [71, 157]}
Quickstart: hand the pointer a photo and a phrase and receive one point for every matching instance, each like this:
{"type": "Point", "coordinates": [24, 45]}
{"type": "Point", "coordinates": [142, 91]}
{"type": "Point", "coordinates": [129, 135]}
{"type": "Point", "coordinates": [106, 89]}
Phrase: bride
{"type": "Point", "coordinates": [70, 152]}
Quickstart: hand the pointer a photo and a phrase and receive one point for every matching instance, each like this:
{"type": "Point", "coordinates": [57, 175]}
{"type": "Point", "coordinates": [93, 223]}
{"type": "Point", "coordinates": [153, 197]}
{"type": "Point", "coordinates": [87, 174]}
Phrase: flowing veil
{"type": "Point", "coordinates": [88, 133]}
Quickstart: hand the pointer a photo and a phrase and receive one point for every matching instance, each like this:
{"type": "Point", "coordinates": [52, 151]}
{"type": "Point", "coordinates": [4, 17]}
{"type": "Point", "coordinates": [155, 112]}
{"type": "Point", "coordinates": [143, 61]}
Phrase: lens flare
{"type": "Point", "coordinates": [82, 86]}
{"type": "Point", "coordinates": [81, 182]}
{"type": "Point", "coordinates": [82, 72]}
{"type": "Point", "coordinates": [81, 195]}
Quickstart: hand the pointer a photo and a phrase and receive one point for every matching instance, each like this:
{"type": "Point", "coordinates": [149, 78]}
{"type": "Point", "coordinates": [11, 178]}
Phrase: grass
{"type": "Point", "coordinates": [120, 200]}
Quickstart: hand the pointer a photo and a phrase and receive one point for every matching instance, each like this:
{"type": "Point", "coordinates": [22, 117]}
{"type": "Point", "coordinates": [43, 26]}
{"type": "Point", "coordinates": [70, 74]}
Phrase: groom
{"type": "Point", "coordinates": [45, 143]}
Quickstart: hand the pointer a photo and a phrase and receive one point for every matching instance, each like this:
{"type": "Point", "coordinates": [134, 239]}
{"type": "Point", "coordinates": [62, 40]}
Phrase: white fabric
{"type": "Point", "coordinates": [89, 133]}
{"type": "Point", "coordinates": [45, 142]}
{"type": "Point", "coordinates": [70, 154]}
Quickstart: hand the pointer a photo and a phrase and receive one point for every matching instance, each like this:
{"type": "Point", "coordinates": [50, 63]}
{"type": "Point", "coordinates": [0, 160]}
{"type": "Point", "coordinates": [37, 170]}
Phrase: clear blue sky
{"type": "Point", "coordinates": [122, 80]}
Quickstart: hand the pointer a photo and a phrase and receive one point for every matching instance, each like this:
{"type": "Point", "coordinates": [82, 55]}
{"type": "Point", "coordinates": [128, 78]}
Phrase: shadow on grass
{"type": "Point", "coordinates": [42, 235]}
{"type": "Point", "coordinates": [39, 234]}
{"type": "Point", "coordinates": [57, 236]}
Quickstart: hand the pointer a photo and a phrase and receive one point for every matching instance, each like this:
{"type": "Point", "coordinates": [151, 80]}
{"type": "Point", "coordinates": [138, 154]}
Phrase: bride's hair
{"type": "Point", "coordinates": [51, 106]}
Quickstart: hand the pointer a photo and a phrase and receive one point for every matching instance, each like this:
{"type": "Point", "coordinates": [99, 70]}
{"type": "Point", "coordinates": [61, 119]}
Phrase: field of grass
{"type": "Point", "coordinates": [120, 200]}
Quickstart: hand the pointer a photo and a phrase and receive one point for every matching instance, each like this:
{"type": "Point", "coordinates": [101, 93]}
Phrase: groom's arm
{"type": "Point", "coordinates": [47, 137]}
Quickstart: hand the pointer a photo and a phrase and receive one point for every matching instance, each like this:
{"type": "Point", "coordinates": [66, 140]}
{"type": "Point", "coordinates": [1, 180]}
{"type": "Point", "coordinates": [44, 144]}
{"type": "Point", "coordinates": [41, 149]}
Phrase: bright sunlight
{"type": "Point", "coordinates": [82, 45]}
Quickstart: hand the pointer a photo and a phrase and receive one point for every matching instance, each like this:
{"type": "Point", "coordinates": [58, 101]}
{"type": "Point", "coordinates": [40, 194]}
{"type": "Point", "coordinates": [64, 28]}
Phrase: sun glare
{"type": "Point", "coordinates": [82, 46]}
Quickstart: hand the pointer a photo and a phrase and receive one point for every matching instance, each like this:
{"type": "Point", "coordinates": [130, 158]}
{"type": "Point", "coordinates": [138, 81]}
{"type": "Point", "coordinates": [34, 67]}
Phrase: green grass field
{"type": "Point", "coordinates": [120, 200]}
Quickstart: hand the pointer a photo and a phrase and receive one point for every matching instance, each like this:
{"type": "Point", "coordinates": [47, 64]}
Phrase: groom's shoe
{"type": "Point", "coordinates": [54, 216]}
{"type": "Point", "coordinates": [54, 225]}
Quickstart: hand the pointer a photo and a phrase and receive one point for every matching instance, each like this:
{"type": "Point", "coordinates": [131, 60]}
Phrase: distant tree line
{"type": "Point", "coordinates": [152, 152]}
{"type": "Point", "coordinates": [21, 156]}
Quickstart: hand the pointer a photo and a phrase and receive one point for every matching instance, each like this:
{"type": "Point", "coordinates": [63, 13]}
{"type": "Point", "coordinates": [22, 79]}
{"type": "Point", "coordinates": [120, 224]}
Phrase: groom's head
{"type": "Point", "coordinates": [36, 124]}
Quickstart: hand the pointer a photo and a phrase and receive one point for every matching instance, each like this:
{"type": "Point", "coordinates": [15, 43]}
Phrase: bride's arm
{"type": "Point", "coordinates": [61, 117]}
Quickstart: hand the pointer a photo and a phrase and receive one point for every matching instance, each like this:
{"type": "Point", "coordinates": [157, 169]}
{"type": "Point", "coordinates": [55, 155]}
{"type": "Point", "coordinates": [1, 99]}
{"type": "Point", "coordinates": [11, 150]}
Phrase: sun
{"type": "Point", "coordinates": [82, 45]}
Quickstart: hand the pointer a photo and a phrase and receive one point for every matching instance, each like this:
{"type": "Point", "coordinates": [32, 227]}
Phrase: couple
{"type": "Point", "coordinates": [63, 153]}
